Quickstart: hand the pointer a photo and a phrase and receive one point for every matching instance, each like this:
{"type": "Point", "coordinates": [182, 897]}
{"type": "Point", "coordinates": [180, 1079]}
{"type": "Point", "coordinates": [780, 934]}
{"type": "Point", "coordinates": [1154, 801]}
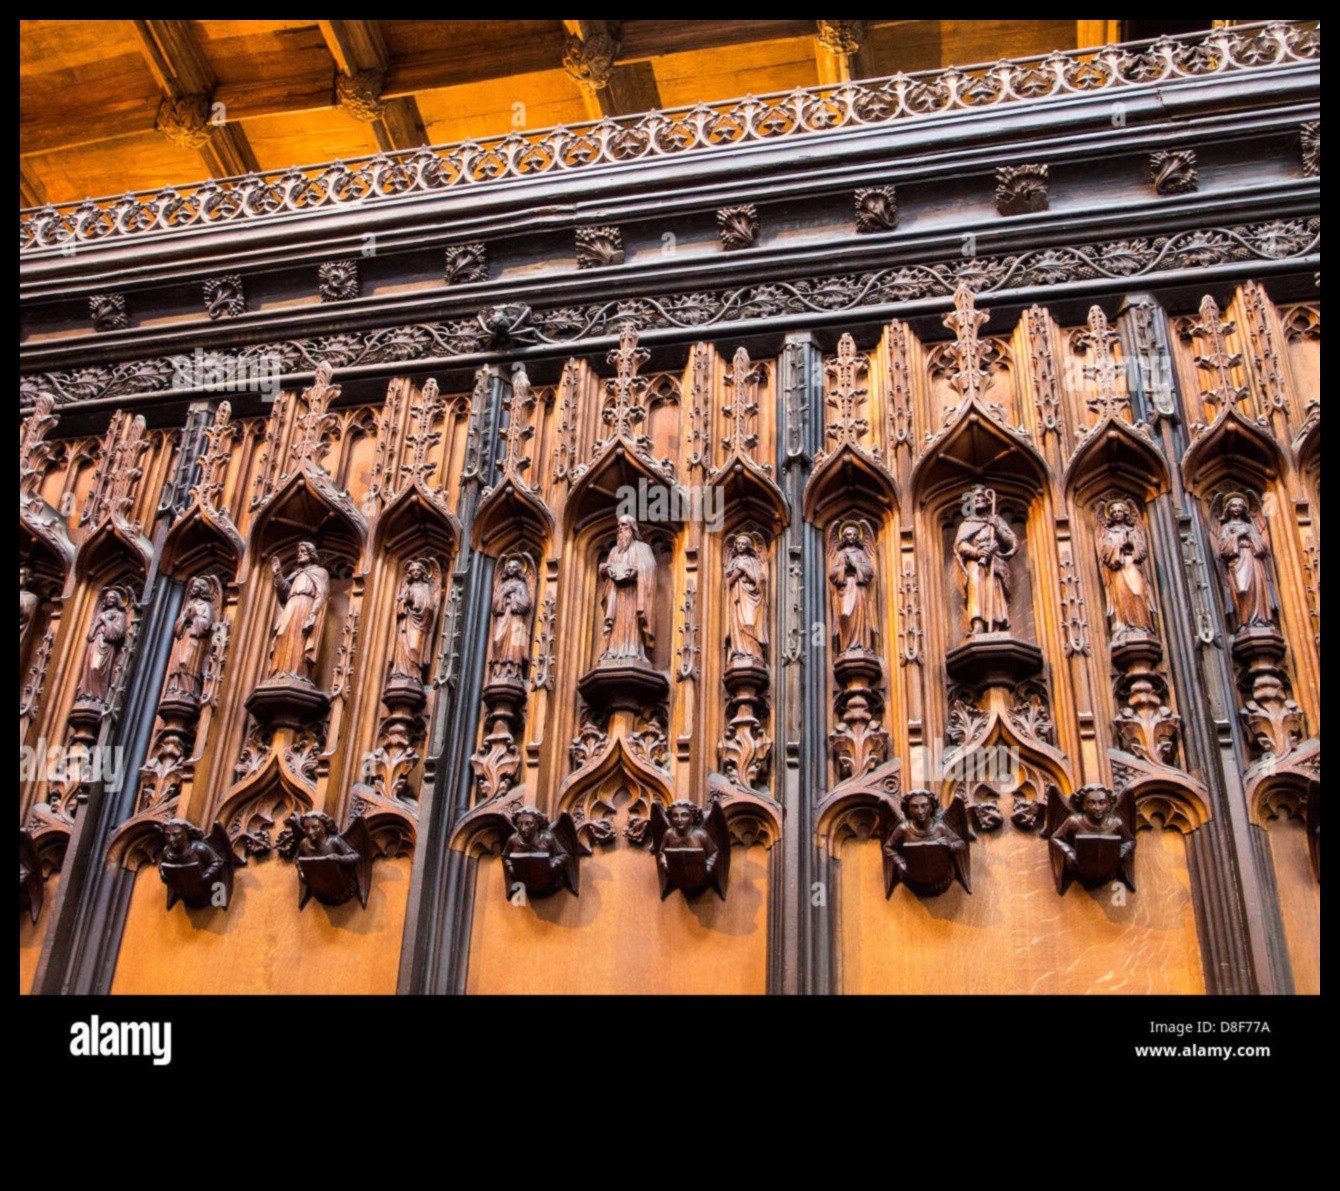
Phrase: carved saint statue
{"type": "Point", "coordinates": [28, 604]}
{"type": "Point", "coordinates": [106, 639]}
{"type": "Point", "coordinates": [692, 848]}
{"type": "Point", "coordinates": [333, 868]}
{"type": "Point", "coordinates": [540, 859]}
{"type": "Point", "coordinates": [926, 848]}
{"type": "Point", "coordinates": [983, 547]}
{"type": "Point", "coordinates": [1246, 559]}
{"type": "Point", "coordinates": [196, 870]}
{"type": "Point", "coordinates": [851, 576]}
{"type": "Point", "coordinates": [513, 605]}
{"type": "Point", "coordinates": [746, 603]}
{"type": "Point", "coordinates": [629, 597]}
{"type": "Point", "coordinates": [297, 634]}
{"type": "Point", "coordinates": [1091, 838]}
{"type": "Point", "coordinates": [192, 637]}
{"type": "Point", "coordinates": [415, 613]}
{"type": "Point", "coordinates": [1123, 550]}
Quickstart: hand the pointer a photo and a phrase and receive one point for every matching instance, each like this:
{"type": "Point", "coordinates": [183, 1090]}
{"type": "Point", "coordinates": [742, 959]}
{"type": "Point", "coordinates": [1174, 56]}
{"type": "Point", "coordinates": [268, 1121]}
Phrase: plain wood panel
{"type": "Point", "coordinates": [1300, 901]}
{"type": "Point", "coordinates": [262, 944]}
{"type": "Point", "coordinates": [1014, 934]}
{"type": "Point", "coordinates": [619, 937]}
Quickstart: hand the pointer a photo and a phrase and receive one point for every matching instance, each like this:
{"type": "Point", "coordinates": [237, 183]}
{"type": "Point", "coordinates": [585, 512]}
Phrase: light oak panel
{"type": "Point", "coordinates": [1014, 935]}
{"type": "Point", "coordinates": [262, 944]}
{"type": "Point", "coordinates": [619, 938]}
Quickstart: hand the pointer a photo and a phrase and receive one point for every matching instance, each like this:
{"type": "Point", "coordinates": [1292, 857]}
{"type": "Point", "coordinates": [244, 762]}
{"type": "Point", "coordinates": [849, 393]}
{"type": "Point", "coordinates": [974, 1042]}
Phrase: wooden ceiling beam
{"type": "Point", "coordinates": [1096, 34]}
{"type": "Point", "coordinates": [31, 191]}
{"type": "Point", "coordinates": [190, 113]}
{"type": "Point", "coordinates": [359, 51]}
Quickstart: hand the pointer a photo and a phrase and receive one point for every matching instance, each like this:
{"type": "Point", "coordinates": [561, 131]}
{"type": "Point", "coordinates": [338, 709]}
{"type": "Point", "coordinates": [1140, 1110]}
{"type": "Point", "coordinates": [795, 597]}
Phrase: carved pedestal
{"type": "Point", "coordinates": [497, 763]}
{"type": "Point", "coordinates": [291, 704]}
{"type": "Point", "coordinates": [993, 659]}
{"type": "Point", "coordinates": [860, 743]}
{"type": "Point", "coordinates": [629, 687]}
{"type": "Point", "coordinates": [1274, 722]}
{"type": "Point", "coordinates": [745, 750]}
{"type": "Point", "coordinates": [1145, 725]}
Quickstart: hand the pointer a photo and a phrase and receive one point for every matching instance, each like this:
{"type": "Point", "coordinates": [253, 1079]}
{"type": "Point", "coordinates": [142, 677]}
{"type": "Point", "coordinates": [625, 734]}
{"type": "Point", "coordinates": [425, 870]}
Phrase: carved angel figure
{"type": "Point", "coordinates": [30, 878]}
{"type": "Point", "coordinates": [1123, 550]}
{"type": "Point", "coordinates": [851, 578]}
{"type": "Point", "coordinates": [513, 611]}
{"type": "Point", "coordinates": [1091, 838]}
{"type": "Point", "coordinates": [925, 847]}
{"type": "Point", "coordinates": [692, 849]}
{"type": "Point", "coordinates": [332, 867]}
{"type": "Point", "coordinates": [196, 870]}
{"type": "Point", "coordinates": [28, 604]}
{"type": "Point", "coordinates": [983, 547]}
{"type": "Point", "coordinates": [416, 608]}
{"type": "Point", "coordinates": [541, 859]}
{"type": "Point", "coordinates": [629, 597]}
{"type": "Point", "coordinates": [746, 603]}
{"type": "Point", "coordinates": [1243, 549]}
{"type": "Point", "coordinates": [105, 641]}
{"type": "Point", "coordinates": [193, 636]}
{"type": "Point", "coordinates": [303, 597]}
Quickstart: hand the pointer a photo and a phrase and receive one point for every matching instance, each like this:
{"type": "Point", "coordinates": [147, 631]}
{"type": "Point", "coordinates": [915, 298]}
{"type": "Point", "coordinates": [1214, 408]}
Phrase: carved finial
{"type": "Point", "coordinates": [744, 380]}
{"type": "Point", "coordinates": [1220, 360]}
{"type": "Point", "coordinates": [35, 453]}
{"type": "Point", "coordinates": [315, 426]}
{"type": "Point", "coordinates": [847, 393]}
{"type": "Point", "coordinates": [1100, 339]}
{"type": "Point", "coordinates": [214, 463]}
{"type": "Point", "coordinates": [971, 376]}
{"type": "Point", "coordinates": [118, 472]}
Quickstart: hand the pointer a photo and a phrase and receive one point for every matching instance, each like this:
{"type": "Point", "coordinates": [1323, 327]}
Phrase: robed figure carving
{"type": "Point", "coordinates": [303, 597]}
{"type": "Point", "coordinates": [196, 869]}
{"type": "Point", "coordinates": [192, 637]}
{"type": "Point", "coordinates": [513, 609]}
{"type": "Point", "coordinates": [1243, 549]}
{"type": "Point", "coordinates": [1123, 550]}
{"type": "Point", "coordinates": [106, 639]}
{"type": "Point", "coordinates": [926, 847]}
{"type": "Point", "coordinates": [746, 603]}
{"type": "Point", "coordinates": [692, 848]}
{"type": "Point", "coordinates": [416, 607]}
{"type": "Point", "coordinates": [28, 604]}
{"type": "Point", "coordinates": [851, 579]}
{"type": "Point", "coordinates": [629, 597]}
{"type": "Point", "coordinates": [983, 547]}
{"type": "Point", "coordinates": [334, 868]}
{"type": "Point", "coordinates": [540, 858]}
{"type": "Point", "coordinates": [1091, 837]}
